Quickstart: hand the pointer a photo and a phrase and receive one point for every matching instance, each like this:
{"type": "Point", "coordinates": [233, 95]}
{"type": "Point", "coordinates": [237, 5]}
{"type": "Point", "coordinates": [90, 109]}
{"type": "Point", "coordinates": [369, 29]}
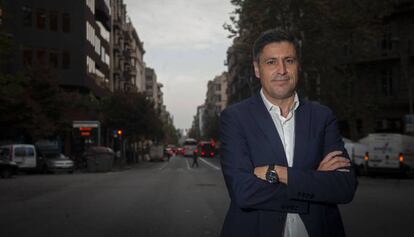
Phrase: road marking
{"type": "Point", "coordinates": [210, 164]}
{"type": "Point", "coordinates": [188, 165]}
{"type": "Point", "coordinates": [165, 165]}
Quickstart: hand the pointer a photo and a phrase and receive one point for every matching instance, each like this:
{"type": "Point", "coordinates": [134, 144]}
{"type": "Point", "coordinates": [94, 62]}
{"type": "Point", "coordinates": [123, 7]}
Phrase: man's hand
{"type": "Point", "coordinates": [334, 161]}
{"type": "Point", "coordinates": [260, 172]}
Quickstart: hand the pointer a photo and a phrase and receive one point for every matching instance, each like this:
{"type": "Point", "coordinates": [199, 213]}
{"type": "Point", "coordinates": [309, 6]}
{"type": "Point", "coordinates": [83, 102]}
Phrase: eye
{"type": "Point", "coordinates": [271, 62]}
{"type": "Point", "coordinates": [290, 61]}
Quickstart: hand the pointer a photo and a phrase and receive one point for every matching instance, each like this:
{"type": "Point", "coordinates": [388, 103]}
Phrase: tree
{"type": "Point", "coordinates": [30, 105]}
{"type": "Point", "coordinates": [326, 30]}
{"type": "Point", "coordinates": [134, 114]}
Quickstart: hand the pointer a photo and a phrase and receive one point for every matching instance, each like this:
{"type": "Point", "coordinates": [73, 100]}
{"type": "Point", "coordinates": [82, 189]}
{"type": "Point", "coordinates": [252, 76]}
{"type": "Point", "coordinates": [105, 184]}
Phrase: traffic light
{"type": "Point", "coordinates": [119, 132]}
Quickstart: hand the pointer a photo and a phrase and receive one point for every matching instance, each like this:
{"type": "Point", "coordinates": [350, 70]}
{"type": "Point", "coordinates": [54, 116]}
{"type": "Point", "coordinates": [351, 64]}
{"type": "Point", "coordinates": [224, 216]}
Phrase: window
{"type": "Point", "coordinates": [41, 18]}
{"type": "Point", "coordinates": [386, 82]}
{"type": "Point", "coordinates": [27, 58]}
{"type": "Point", "coordinates": [54, 59]}
{"type": "Point", "coordinates": [65, 60]}
{"type": "Point", "coordinates": [20, 152]}
{"type": "Point", "coordinates": [66, 22]}
{"type": "Point", "coordinates": [29, 151]}
{"type": "Point", "coordinates": [41, 57]}
{"type": "Point", "coordinates": [53, 21]}
{"type": "Point", "coordinates": [27, 16]}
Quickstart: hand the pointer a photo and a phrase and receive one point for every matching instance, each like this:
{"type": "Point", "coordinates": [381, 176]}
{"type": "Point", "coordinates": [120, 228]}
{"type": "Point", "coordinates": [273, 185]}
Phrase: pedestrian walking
{"type": "Point", "coordinates": [195, 158]}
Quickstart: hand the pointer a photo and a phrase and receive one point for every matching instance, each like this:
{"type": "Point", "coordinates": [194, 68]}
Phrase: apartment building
{"type": "Point", "coordinates": [70, 38]}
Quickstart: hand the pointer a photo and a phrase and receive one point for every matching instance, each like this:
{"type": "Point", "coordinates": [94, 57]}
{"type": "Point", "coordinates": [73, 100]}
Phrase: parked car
{"type": "Point", "coordinates": [7, 166]}
{"type": "Point", "coordinates": [24, 155]}
{"type": "Point", "coordinates": [54, 162]}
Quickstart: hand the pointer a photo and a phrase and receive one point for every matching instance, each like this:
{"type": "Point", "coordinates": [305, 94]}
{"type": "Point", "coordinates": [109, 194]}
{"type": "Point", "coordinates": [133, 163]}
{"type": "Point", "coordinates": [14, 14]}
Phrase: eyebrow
{"type": "Point", "coordinates": [274, 58]}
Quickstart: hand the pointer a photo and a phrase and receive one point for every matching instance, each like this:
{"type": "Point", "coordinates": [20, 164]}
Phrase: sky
{"type": "Point", "coordinates": [186, 44]}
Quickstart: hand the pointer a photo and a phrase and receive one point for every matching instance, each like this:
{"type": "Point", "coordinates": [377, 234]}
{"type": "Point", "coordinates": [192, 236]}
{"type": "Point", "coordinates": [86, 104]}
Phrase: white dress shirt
{"type": "Point", "coordinates": [294, 226]}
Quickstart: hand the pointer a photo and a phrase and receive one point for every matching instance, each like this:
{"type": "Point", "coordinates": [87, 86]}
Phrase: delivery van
{"type": "Point", "coordinates": [389, 153]}
{"type": "Point", "coordinates": [23, 154]}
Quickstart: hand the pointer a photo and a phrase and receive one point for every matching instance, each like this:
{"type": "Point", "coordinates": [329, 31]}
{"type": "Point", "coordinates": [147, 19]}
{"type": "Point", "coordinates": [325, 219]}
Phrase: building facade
{"type": "Point", "coordinates": [70, 38]}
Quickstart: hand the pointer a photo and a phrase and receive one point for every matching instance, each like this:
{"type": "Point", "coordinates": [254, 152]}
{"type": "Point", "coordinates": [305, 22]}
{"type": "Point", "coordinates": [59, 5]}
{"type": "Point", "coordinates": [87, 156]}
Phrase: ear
{"type": "Point", "coordinates": [256, 69]}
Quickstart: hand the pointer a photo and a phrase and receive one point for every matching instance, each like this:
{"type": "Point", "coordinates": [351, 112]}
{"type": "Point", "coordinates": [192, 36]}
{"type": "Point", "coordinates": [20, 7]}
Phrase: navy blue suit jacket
{"type": "Point", "coordinates": [249, 139]}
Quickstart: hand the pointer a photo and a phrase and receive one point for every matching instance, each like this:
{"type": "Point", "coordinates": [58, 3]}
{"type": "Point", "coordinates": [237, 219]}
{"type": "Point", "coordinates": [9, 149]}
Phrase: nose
{"type": "Point", "coordinates": [281, 68]}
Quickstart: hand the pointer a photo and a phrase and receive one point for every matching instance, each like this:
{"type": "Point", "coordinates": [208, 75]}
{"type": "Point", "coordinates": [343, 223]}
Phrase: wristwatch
{"type": "Point", "coordinates": [271, 175]}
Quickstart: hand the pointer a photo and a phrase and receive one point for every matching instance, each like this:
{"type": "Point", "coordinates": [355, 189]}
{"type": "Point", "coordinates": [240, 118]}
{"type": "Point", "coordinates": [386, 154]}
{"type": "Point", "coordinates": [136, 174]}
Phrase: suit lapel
{"type": "Point", "coordinates": [302, 126]}
{"type": "Point", "coordinates": [265, 122]}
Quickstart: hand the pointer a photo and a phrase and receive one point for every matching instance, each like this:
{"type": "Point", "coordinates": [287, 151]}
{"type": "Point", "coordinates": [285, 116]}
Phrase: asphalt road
{"type": "Point", "coordinates": [155, 199]}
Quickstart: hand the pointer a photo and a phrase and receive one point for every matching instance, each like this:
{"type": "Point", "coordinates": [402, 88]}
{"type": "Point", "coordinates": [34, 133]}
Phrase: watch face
{"type": "Point", "coordinates": [271, 176]}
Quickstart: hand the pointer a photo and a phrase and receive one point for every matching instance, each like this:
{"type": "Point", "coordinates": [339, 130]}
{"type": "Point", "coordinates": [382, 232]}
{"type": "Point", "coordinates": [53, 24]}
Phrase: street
{"type": "Point", "coordinates": [157, 199]}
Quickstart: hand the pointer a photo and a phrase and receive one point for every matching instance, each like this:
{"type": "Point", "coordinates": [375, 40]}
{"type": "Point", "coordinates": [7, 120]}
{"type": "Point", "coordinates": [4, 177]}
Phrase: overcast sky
{"type": "Point", "coordinates": [186, 45]}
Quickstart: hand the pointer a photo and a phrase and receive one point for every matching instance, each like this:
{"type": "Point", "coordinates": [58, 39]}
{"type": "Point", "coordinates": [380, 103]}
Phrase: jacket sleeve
{"type": "Point", "coordinates": [245, 189]}
{"type": "Point", "coordinates": [334, 187]}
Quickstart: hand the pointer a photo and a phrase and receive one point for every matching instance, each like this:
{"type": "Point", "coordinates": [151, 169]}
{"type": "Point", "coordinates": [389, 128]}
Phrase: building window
{"type": "Point", "coordinates": [41, 57]}
{"type": "Point", "coordinates": [27, 57]}
{"type": "Point", "coordinates": [41, 18]}
{"type": "Point", "coordinates": [53, 21]}
{"type": "Point", "coordinates": [27, 16]}
{"type": "Point", "coordinates": [65, 60]}
{"type": "Point", "coordinates": [386, 82]}
{"type": "Point", "coordinates": [54, 59]}
{"type": "Point", "coordinates": [1, 15]}
{"type": "Point", "coordinates": [66, 22]}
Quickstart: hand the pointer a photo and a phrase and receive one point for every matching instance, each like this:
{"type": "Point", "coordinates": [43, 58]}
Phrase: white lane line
{"type": "Point", "coordinates": [210, 164]}
{"type": "Point", "coordinates": [186, 161]}
{"type": "Point", "coordinates": [165, 165]}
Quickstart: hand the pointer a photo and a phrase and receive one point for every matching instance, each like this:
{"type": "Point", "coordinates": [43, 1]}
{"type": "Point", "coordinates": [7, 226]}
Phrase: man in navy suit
{"type": "Point", "coordinates": [282, 157]}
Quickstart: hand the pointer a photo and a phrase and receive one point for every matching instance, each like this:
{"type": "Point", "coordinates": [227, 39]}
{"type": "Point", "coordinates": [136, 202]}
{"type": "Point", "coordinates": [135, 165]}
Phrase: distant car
{"type": "Point", "coordinates": [54, 162]}
{"type": "Point", "coordinates": [7, 166]}
{"type": "Point", "coordinates": [206, 149]}
{"type": "Point", "coordinates": [180, 151]}
{"type": "Point", "coordinates": [170, 150]}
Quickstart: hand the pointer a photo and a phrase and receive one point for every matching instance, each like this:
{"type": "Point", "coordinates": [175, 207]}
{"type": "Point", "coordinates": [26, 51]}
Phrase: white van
{"type": "Point", "coordinates": [389, 152]}
{"type": "Point", "coordinates": [358, 153]}
{"type": "Point", "coordinates": [23, 154]}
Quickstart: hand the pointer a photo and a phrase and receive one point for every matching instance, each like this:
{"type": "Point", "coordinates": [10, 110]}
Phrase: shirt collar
{"type": "Point", "coordinates": [270, 106]}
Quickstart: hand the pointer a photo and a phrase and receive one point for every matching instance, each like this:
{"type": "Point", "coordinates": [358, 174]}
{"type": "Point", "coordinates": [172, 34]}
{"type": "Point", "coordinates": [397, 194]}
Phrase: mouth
{"type": "Point", "coordinates": [280, 79]}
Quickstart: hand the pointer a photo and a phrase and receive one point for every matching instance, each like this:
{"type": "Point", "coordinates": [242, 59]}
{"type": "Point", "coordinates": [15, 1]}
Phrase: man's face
{"type": "Point", "coordinates": [277, 70]}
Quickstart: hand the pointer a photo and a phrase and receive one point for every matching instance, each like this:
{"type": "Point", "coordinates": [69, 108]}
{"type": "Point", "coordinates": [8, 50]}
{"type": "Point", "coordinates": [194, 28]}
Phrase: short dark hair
{"type": "Point", "coordinates": [274, 36]}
